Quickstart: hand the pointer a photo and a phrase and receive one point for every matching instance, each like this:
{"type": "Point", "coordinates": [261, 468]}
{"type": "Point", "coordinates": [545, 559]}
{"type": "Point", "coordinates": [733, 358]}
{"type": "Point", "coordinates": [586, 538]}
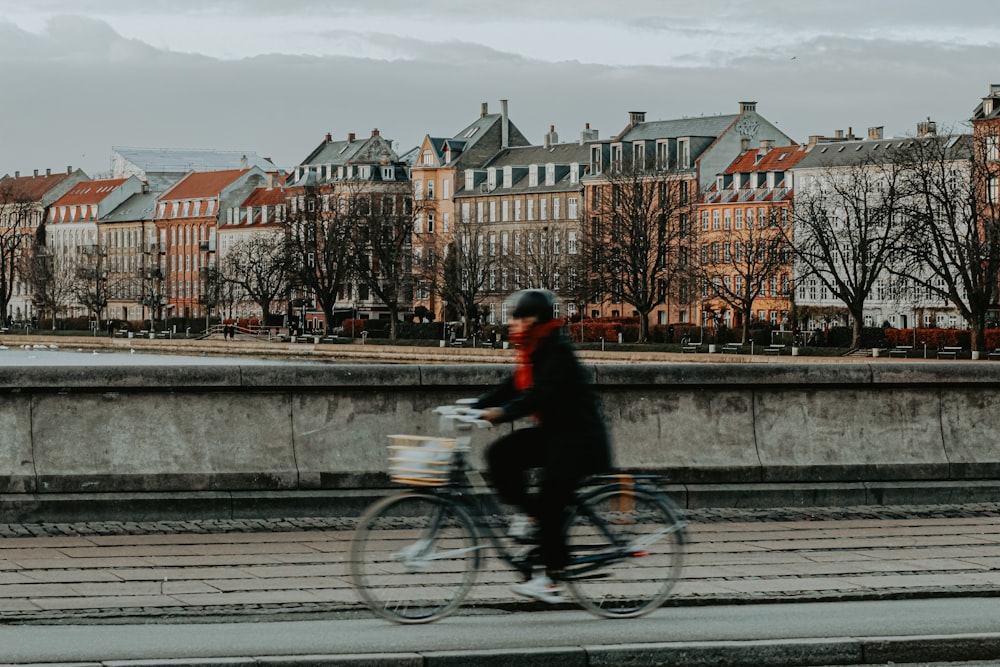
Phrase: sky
{"type": "Point", "coordinates": [79, 77]}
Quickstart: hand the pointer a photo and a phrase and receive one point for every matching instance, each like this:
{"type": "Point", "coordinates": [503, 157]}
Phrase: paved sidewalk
{"type": "Point", "coordinates": [296, 566]}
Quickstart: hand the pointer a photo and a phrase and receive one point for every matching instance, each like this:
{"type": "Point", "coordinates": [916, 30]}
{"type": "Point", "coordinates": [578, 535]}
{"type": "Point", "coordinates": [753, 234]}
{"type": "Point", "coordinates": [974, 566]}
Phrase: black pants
{"type": "Point", "coordinates": [510, 459]}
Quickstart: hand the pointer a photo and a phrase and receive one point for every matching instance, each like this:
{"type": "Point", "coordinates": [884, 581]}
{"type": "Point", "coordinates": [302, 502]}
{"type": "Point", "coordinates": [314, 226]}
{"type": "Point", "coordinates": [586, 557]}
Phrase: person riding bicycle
{"type": "Point", "coordinates": [568, 441]}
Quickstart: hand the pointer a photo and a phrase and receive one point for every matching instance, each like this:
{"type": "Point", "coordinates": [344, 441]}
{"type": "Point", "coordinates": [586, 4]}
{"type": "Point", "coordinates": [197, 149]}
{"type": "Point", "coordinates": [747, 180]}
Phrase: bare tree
{"type": "Point", "coordinates": [93, 285]}
{"type": "Point", "coordinates": [50, 276]}
{"type": "Point", "coordinates": [17, 217]}
{"type": "Point", "coordinates": [641, 216]}
{"type": "Point", "coordinates": [466, 269]}
{"type": "Point", "coordinates": [848, 231]}
{"type": "Point", "coordinates": [319, 245]}
{"type": "Point", "coordinates": [746, 264]}
{"type": "Point", "coordinates": [383, 248]}
{"type": "Point", "coordinates": [258, 267]}
{"type": "Point", "coordinates": [954, 251]}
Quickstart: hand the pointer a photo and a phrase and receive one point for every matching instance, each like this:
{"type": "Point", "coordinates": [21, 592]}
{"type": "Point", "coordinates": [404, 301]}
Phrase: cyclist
{"type": "Point", "coordinates": [568, 440]}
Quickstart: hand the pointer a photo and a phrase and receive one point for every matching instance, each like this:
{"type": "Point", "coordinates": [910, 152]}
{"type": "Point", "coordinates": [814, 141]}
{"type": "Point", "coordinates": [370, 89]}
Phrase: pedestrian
{"type": "Point", "coordinates": [568, 440]}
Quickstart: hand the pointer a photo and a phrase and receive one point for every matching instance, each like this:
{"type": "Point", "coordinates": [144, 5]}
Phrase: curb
{"type": "Point", "coordinates": [751, 653]}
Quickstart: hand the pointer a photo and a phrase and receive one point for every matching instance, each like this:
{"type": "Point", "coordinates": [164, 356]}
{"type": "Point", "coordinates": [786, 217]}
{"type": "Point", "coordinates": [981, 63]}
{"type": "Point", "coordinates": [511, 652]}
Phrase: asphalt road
{"type": "Point", "coordinates": [824, 633]}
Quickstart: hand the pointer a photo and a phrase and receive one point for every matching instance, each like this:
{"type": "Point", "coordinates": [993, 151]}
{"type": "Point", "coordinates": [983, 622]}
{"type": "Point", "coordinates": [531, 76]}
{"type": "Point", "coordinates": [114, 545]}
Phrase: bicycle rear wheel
{"type": "Point", "coordinates": [414, 557]}
{"type": "Point", "coordinates": [627, 549]}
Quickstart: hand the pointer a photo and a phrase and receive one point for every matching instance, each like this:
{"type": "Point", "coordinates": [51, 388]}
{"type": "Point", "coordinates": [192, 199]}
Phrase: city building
{"type": "Point", "coordinates": [187, 222]}
{"type": "Point", "coordinates": [745, 265]}
{"type": "Point", "coordinates": [24, 204]}
{"type": "Point", "coordinates": [438, 174]}
{"type": "Point", "coordinates": [518, 218]}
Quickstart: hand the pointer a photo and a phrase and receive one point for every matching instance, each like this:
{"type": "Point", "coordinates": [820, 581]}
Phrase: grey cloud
{"type": "Point", "coordinates": [395, 47]}
{"type": "Point", "coordinates": [71, 38]}
{"type": "Point", "coordinates": [282, 106]}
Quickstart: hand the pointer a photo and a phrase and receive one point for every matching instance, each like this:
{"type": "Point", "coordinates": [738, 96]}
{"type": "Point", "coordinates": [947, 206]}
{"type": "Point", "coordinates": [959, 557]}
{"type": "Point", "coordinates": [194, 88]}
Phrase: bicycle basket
{"type": "Point", "coordinates": [418, 460]}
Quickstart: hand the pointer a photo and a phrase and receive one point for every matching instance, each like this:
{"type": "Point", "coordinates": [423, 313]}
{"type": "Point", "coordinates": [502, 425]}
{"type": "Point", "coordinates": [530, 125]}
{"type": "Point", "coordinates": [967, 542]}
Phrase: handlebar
{"type": "Point", "coordinates": [462, 414]}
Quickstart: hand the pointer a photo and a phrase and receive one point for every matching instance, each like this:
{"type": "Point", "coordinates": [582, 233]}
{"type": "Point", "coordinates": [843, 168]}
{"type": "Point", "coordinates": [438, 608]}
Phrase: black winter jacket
{"type": "Point", "coordinates": [565, 406]}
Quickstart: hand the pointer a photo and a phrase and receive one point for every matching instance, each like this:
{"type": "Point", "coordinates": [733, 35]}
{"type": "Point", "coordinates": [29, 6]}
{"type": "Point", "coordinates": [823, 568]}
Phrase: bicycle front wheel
{"type": "Point", "coordinates": [414, 557]}
{"type": "Point", "coordinates": [627, 549]}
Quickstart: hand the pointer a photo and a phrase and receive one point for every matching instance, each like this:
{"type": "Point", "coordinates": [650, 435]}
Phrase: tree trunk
{"type": "Point", "coordinates": [857, 317]}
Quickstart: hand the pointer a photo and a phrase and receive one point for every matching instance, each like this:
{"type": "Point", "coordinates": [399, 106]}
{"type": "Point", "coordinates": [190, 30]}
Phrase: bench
{"type": "Point", "coordinates": [774, 349]}
{"type": "Point", "coordinates": [901, 351]}
{"type": "Point", "coordinates": [732, 348]}
{"type": "Point", "coordinates": [995, 354]}
{"type": "Point", "coordinates": [458, 342]}
{"type": "Point", "coordinates": [691, 347]}
{"type": "Point", "coordinates": [120, 333]}
{"type": "Point", "coordinates": [162, 334]}
{"type": "Point", "coordinates": [949, 352]}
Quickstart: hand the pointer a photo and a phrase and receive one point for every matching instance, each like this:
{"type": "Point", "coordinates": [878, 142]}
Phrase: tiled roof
{"type": "Point", "coordinates": [202, 184]}
{"type": "Point", "coordinates": [527, 155]}
{"type": "Point", "coordinates": [704, 126]}
{"type": "Point", "coordinates": [31, 188]}
{"type": "Point", "coordinates": [89, 192]}
{"type": "Point", "coordinates": [180, 160]}
{"type": "Point", "coordinates": [857, 153]}
{"type": "Point", "coordinates": [265, 197]}
{"type": "Point", "coordinates": [140, 206]}
{"type": "Point", "coordinates": [779, 158]}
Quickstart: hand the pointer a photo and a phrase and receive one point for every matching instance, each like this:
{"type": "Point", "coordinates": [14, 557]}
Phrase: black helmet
{"type": "Point", "coordinates": [535, 303]}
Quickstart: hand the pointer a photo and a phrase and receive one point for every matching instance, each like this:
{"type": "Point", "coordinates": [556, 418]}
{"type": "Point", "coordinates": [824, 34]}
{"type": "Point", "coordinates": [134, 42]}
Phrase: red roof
{"type": "Point", "coordinates": [32, 188]}
{"type": "Point", "coordinates": [779, 158]}
{"type": "Point", "coordinates": [89, 192]}
{"type": "Point", "coordinates": [202, 184]}
{"type": "Point", "coordinates": [265, 197]}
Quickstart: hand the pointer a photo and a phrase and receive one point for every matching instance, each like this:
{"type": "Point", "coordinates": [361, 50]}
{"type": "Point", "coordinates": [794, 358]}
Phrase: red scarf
{"type": "Point", "coordinates": [526, 344]}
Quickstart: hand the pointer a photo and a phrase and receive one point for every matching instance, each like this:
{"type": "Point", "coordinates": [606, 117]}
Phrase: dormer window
{"type": "Point", "coordinates": [388, 174]}
{"type": "Point", "coordinates": [616, 156]}
{"type": "Point", "coordinates": [684, 153]}
{"type": "Point", "coordinates": [663, 154]}
{"type": "Point", "coordinates": [639, 156]}
{"type": "Point", "coordinates": [595, 160]}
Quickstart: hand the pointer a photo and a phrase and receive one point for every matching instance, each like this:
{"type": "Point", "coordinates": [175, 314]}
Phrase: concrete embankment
{"type": "Point", "coordinates": [228, 440]}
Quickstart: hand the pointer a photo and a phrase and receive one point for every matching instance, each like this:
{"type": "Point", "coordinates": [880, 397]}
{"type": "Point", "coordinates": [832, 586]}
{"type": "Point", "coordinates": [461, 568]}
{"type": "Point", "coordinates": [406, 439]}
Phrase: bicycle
{"type": "Point", "coordinates": [416, 554]}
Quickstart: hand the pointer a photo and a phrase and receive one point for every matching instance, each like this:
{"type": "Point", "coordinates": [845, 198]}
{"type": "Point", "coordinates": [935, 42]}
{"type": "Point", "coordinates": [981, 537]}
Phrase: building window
{"type": "Point", "coordinates": [430, 223]}
{"type": "Point", "coordinates": [571, 208]}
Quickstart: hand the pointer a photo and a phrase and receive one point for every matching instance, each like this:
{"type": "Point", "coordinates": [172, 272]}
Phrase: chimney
{"type": "Point", "coordinates": [814, 139]}
{"type": "Point", "coordinates": [839, 134]}
{"type": "Point", "coordinates": [551, 138]}
{"type": "Point", "coordinates": [636, 117]}
{"type": "Point", "coordinates": [17, 174]}
{"type": "Point", "coordinates": [329, 137]}
{"type": "Point", "coordinates": [748, 106]}
{"type": "Point", "coordinates": [744, 145]}
{"type": "Point", "coordinates": [588, 134]}
{"type": "Point", "coordinates": [375, 132]}
{"type": "Point", "coordinates": [485, 109]}
{"type": "Point", "coordinates": [36, 172]}
{"type": "Point", "coordinates": [270, 177]}
{"type": "Point", "coordinates": [926, 128]}
{"type": "Point", "coordinates": [875, 133]}
{"type": "Point", "coordinates": [504, 125]}
{"type": "Point", "coordinates": [48, 172]}
{"type": "Point", "coordinates": [994, 89]}
{"type": "Point", "coordinates": [350, 137]}
{"type": "Point", "coordinates": [243, 162]}
{"type": "Point", "coordinates": [69, 169]}
{"type": "Point", "coordinates": [765, 146]}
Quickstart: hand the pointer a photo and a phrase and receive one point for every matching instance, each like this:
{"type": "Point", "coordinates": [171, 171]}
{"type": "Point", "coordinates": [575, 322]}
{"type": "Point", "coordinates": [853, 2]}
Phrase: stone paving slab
{"type": "Point", "coordinates": [288, 566]}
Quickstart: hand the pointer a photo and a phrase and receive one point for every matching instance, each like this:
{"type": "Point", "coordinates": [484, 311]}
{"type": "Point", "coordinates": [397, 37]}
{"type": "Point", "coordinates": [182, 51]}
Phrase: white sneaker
{"type": "Point", "coordinates": [541, 588]}
{"type": "Point", "coordinates": [522, 527]}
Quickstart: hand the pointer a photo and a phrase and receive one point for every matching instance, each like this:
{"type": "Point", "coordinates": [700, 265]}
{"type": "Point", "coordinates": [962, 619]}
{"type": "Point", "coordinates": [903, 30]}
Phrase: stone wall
{"type": "Point", "coordinates": [831, 431]}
